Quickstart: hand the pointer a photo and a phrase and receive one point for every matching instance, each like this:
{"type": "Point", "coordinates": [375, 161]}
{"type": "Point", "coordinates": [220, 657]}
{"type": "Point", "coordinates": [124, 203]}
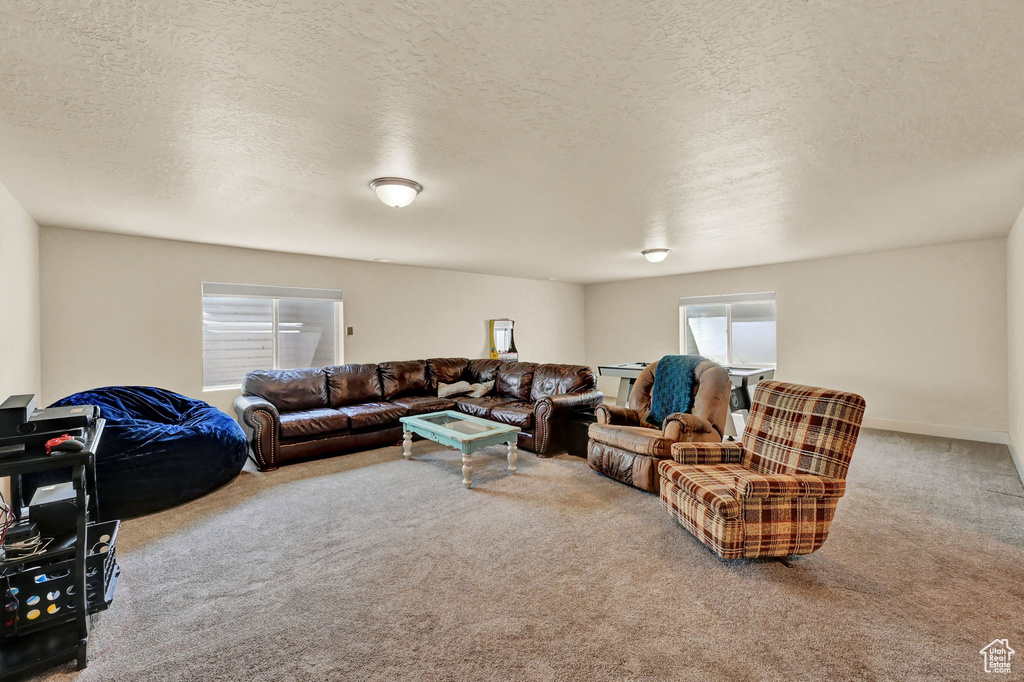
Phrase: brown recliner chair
{"type": "Point", "coordinates": [625, 446]}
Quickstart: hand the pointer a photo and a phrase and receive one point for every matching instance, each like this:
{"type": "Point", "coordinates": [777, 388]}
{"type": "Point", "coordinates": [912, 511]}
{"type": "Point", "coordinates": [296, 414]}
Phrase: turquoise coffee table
{"type": "Point", "coordinates": [464, 433]}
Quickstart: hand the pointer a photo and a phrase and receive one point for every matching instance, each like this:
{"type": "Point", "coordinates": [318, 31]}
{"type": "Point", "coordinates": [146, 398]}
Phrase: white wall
{"type": "Point", "coordinates": [19, 299]}
{"type": "Point", "coordinates": [920, 333]}
{"type": "Point", "coordinates": [127, 310]}
{"type": "Point", "coordinates": [1015, 334]}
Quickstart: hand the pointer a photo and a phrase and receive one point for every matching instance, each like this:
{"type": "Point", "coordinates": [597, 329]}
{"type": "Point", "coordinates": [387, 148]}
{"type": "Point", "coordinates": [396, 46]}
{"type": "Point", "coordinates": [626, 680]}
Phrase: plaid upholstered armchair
{"type": "Point", "coordinates": [775, 493]}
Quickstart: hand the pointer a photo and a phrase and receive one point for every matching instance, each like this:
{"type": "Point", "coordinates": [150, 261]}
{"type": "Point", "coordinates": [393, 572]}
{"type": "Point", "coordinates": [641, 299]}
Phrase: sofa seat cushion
{"type": "Point", "coordinates": [416, 404]}
{"type": "Point", "coordinates": [712, 485]}
{"type": "Point", "coordinates": [481, 407]}
{"type": "Point", "coordinates": [516, 414]}
{"type": "Point", "coordinates": [312, 422]}
{"type": "Point", "coordinates": [638, 439]}
{"type": "Point", "coordinates": [374, 415]}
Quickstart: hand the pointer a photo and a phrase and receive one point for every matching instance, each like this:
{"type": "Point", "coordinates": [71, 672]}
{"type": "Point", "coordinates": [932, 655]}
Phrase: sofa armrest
{"type": "Point", "coordinates": [753, 484]}
{"type": "Point", "coordinates": [549, 414]}
{"type": "Point", "coordinates": [707, 453]}
{"type": "Point", "coordinates": [262, 423]}
{"type": "Point", "coordinates": [618, 416]}
{"type": "Point", "coordinates": [565, 402]}
{"type": "Point", "coordinates": [680, 426]}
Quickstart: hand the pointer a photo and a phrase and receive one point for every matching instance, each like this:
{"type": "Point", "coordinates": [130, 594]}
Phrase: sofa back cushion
{"type": "Point", "coordinates": [353, 384]}
{"type": "Point", "coordinates": [640, 395]}
{"type": "Point", "coordinates": [445, 370]}
{"type": "Point", "coordinates": [560, 379]}
{"type": "Point", "coordinates": [794, 429]}
{"type": "Point", "coordinates": [514, 379]}
{"type": "Point", "coordinates": [481, 371]}
{"type": "Point", "coordinates": [409, 377]}
{"type": "Point", "coordinates": [288, 390]}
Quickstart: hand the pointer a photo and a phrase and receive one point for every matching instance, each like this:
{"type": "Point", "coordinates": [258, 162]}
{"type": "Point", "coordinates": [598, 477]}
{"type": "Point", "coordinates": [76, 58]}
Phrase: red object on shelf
{"type": "Point", "coordinates": [53, 442]}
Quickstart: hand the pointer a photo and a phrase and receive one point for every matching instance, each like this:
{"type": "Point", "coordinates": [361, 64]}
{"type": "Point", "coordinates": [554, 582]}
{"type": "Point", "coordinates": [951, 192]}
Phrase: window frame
{"type": "Point", "coordinates": [728, 300]}
{"type": "Point", "coordinates": [275, 294]}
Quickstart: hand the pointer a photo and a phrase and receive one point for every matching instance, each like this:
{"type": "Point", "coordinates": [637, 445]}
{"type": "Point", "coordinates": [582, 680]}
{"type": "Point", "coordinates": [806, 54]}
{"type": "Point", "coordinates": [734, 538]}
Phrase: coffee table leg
{"type": "Point", "coordinates": [407, 444]}
{"type": "Point", "coordinates": [467, 469]}
{"type": "Point", "coordinates": [513, 455]}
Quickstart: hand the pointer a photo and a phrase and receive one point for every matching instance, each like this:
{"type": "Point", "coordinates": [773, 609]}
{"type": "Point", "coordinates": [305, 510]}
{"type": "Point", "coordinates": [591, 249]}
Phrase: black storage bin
{"type": "Point", "coordinates": [576, 425]}
{"type": "Point", "coordinates": [42, 593]}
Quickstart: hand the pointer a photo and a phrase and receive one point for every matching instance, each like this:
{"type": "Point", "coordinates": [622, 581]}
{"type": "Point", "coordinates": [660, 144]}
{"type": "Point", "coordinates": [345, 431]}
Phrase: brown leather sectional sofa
{"type": "Point", "coordinates": [300, 413]}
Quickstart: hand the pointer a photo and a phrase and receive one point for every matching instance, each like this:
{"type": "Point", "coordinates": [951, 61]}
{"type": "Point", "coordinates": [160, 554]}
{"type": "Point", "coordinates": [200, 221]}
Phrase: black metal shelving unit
{"type": "Point", "coordinates": [38, 646]}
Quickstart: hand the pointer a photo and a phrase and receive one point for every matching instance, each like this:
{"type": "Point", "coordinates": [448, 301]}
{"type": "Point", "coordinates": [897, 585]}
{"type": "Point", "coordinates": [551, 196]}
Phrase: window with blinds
{"type": "Point", "coordinates": [735, 329]}
{"type": "Point", "coordinates": [247, 327]}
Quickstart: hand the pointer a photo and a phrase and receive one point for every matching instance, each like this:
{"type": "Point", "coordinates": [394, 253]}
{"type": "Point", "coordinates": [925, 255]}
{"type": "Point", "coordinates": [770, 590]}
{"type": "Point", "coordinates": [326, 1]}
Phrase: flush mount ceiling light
{"type": "Point", "coordinates": [397, 192]}
{"type": "Point", "coordinates": [655, 255]}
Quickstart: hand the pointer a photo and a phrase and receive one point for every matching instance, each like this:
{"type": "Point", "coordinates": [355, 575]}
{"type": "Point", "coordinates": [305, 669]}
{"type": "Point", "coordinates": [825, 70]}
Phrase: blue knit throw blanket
{"type": "Point", "coordinates": [673, 387]}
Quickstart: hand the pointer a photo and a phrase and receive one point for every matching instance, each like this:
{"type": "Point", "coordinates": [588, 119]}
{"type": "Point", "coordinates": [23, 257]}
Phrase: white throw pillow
{"type": "Point", "coordinates": [480, 390]}
{"type": "Point", "coordinates": [449, 390]}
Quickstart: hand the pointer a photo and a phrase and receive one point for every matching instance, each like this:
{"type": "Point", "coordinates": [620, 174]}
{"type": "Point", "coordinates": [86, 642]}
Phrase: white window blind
{"type": "Point", "coordinates": [247, 327]}
{"type": "Point", "coordinates": [735, 329]}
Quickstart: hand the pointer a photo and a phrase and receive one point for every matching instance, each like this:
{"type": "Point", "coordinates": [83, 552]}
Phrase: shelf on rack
{"type": "Point", "coordinates": [28, 654]}
{"type": "Point", "coordinates": [32, 628]}
{"type": "Point", "coordinates": [48, 555]}
{"type": "Point", "coordinates": [34, 458]}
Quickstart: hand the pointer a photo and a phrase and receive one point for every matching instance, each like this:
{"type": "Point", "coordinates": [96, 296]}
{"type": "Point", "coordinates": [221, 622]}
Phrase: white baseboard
{"type": "Point", "coordinates": [961, 432]}
{"type": "Point", "coordinates": [1017, 461]}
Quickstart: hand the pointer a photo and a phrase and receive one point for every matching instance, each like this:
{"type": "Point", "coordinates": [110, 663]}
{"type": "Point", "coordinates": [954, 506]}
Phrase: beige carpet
{"type": "Point", "coordinates": [368, 567]}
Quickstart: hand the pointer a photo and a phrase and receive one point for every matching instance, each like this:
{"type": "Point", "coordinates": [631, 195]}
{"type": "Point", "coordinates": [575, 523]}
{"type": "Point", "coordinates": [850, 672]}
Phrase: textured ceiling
{"type": "Point", "coordinates": [552, 139]}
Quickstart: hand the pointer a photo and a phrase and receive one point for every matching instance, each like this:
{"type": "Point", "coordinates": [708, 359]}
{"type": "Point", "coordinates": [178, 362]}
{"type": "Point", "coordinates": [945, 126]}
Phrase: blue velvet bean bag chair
{"type": "Point", "coordinates": [159, 449]}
